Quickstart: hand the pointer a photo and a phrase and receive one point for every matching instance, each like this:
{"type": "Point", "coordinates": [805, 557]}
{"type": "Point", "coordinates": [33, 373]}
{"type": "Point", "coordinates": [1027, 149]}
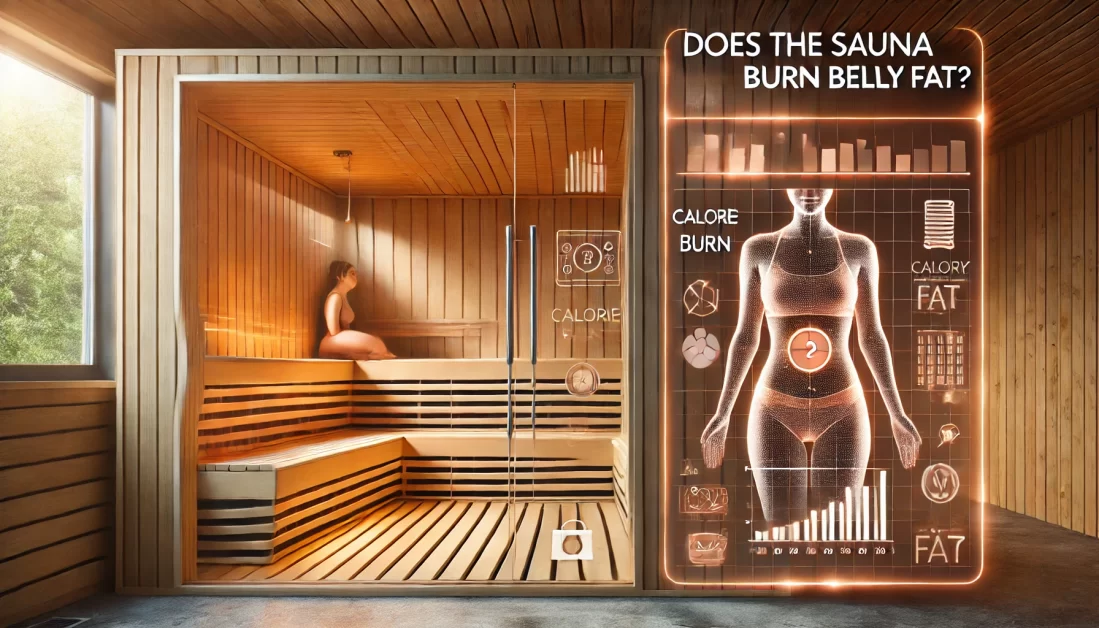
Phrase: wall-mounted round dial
{"type": "Point", "coordinates": [582, 379]}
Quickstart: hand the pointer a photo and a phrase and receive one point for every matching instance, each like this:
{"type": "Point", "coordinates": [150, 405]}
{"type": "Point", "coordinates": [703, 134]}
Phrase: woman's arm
{"type": "Point", "coordinates": [741, 353]}
{"type": "Point", "coordinates": [875, 349]}
{"type": "Point", "coordinates": [332, 307]}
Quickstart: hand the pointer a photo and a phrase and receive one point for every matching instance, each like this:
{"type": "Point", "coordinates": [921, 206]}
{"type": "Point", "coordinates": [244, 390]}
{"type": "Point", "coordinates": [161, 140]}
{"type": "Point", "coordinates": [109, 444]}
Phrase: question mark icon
{"type": "Point", "coordinates": [966, 73]}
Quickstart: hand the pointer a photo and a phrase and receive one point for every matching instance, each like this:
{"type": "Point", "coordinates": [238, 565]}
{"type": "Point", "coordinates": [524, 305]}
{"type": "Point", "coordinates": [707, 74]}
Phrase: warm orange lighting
{"type": "Point", "coordinates": [808, 118]}
{"type": "Point", "coordinates": [666, 449]}
{"type": "Point", "coordinates": [825, 174]}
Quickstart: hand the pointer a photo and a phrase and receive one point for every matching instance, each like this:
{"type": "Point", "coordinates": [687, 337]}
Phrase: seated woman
{"type": "Point", "coordinates": [341, 342]}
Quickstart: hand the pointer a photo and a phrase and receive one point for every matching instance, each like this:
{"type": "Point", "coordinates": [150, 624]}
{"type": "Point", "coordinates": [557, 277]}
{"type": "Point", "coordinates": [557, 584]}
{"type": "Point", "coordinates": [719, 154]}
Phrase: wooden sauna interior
{"type": "Point", "coordinates": [315, 470]}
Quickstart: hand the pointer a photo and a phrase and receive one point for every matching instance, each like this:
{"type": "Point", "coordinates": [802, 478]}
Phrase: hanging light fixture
{"type": "Point", "coordinates": [342, 154]}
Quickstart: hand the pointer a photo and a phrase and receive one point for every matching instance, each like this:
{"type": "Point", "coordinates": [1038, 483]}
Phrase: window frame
{"type": "Point", "coordinates": [98, 316]}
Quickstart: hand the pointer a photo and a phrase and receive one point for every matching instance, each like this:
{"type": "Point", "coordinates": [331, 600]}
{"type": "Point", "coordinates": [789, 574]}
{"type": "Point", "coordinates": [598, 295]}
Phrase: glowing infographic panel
{"type": "Point", "coordinates": [822, 337]}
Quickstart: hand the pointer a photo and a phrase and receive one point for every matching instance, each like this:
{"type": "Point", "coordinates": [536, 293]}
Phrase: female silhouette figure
{"type": "Point", "coordinates": [811, 281]}
{"type": "Point", "coordinates": [341, 342]}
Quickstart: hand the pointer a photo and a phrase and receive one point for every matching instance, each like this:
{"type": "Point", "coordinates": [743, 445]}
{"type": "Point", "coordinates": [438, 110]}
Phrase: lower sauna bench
{"type": "Point", "coordinates": [449, 540]}
{"type": "Point", "coordinates": [255, 506]}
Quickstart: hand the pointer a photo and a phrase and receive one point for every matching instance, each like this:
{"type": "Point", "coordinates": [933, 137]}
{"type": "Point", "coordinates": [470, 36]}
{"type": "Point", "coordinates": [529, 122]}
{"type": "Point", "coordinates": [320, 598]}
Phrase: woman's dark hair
{"type": "Point", "coordinates": [338, 270]}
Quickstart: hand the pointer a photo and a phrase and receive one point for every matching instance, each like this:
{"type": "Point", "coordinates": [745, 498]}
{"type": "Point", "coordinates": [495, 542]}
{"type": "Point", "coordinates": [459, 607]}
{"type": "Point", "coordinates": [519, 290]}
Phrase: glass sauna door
{"type": "Point", "coordinates": [568, 447]}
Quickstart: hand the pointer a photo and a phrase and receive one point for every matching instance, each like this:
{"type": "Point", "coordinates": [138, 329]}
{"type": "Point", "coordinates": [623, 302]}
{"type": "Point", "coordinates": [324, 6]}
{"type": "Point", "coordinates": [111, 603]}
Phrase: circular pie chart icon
{"type": "Point", "coordinates": [700, 298]}
{"type": "Point", "coordinates": [809, 349]}
{"type": "Point", "coordinates": [940, 483]}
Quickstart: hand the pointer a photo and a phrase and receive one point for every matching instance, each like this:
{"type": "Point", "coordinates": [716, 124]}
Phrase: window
{"type": "Point", "coordinates": [45, 218]}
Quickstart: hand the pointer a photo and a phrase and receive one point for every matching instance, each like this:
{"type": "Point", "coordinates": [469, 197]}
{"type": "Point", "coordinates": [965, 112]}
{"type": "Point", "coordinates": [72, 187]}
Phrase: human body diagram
{"type": "Point", "coordinates": [808, 427]}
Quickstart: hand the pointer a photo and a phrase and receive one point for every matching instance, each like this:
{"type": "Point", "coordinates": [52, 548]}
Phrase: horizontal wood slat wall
{"type": "Point", "coordinates": [147, 361]}
{"type": "Point", "coordinates": [465, 396]}
{"type": "Point", "coordinates": [436, 259]}
{"type": "Point", "coordinates": [269, 238]}
{"type": "Point", "coordinates": [57, 444]}
{"type": "Point", "coordinates": [1042, 306]}
{"type": "Point", "coordinates": [258, 403]}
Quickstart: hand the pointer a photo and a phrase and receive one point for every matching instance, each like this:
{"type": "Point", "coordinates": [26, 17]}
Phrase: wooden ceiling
{"type": "Point", "coordinates": [412, 139]}
{"type": "Point", "coordinates": [1040, 67]}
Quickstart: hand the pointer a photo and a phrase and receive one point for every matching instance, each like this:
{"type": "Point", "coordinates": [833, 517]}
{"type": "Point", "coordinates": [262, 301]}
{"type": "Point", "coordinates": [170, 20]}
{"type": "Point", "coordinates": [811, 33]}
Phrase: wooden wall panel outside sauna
{"type": "Point", "coordinates": [443, 260]}
{"type": "Point", "coordinates": [269, 237]}
{"type": "Point", "coordinates": [57, 444]}
{"type": "Point", "coordinates": [149, 553]}
{"type": "Point", "coordinates": [1043, 329]}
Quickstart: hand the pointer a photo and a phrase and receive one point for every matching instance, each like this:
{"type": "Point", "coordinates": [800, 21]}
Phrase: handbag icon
{"type": "Point", "coordinates": [707, 548]}
{"type": "Point", "coordinates": [572, 544]}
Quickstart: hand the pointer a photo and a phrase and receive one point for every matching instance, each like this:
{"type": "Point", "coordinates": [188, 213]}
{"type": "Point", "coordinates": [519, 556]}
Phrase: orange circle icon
{"type": "Point", "coordinates": [809, 349]}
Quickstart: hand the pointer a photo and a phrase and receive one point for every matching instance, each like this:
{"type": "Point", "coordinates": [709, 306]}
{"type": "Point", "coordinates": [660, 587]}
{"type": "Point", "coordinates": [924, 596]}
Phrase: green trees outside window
{"type": "Point", "coordinates": [44, 131]}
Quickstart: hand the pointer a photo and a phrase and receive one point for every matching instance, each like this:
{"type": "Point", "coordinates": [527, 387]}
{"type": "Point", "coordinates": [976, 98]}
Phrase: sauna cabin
{"type": "Point", "coordinates": [487, 223]}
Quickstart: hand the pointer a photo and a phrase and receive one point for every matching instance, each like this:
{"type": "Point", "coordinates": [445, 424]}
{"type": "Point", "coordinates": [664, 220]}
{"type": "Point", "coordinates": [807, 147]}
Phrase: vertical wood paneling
{"type": "Point", "coordinates": [130, 367]}
{"type": "Point", "coordinates": [1030, 252]}
{"type": "Point", "coordinates": [1065, 276]}
{"type": "Point", "coordinates": [454, 279]}
{"type": "Point", "coordinates": [190, 350]}
{"type": "Point", "coordinates": [548, 330]}
{"type": "Point", "coordinates": [995, 344]}
{"type": "Point", "coordinates": [1044, 328]}
{"type": "Point", "coordinates": [491, 258]}
{"type": "Point", "coordinates": [402, 266]}
{"type": "Point", "coordinates": [263, 278]}
{"type": "Point", "coordinates": [1090, 180]}
{"type": "Point", "coordinates": [436, 274]}
{"type": "Point", "coordinates": [1078, 324]}
{"type": "Point", "coordinates": [166, 325]}
{"type": "Point", "coordinates": [1053, 320]}
{"type": "Point", "coordinates": [1038, 271]}
{"type": "Point", "coordinates": [449, 268]}
{"type": "Point", "coordinates": [418, 278]}
{"type": "Point", "coordinates": [471, 271]}
{"type": "Point", "coordinates": [1018, 428]}
{"type": "Point", "coordinates": [147, 312]}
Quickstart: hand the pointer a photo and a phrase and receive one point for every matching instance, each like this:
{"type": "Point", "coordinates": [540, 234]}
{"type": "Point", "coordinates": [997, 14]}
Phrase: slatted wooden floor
{"type": "Point", "coordinates": [424, 541]}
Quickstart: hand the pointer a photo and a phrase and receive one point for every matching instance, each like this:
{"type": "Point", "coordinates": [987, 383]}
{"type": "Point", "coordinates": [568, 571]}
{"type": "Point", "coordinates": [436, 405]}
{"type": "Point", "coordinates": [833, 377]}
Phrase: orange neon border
{"type": "Point", "coordinates": [666, 410]}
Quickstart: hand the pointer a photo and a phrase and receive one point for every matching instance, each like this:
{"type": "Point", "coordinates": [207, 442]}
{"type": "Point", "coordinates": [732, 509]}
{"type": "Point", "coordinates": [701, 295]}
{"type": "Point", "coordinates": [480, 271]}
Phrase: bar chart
{"type": "Point", "coordinates": [861, 515]}
{"type": "Point", "coordinates": [731, 155]}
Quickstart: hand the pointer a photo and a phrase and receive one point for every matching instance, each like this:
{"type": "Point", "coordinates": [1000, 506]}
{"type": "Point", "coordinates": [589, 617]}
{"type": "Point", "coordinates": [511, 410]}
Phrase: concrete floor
{"type": "Point", "coordinates": [1036, 575]}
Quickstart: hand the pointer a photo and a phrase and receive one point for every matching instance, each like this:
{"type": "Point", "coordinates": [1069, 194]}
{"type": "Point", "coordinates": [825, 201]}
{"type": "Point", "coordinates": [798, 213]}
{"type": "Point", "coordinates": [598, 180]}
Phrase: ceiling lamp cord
{"type": "Point", "coordinates": [348, 219]}
{"type": "Point", "coordinates": [341, 154]}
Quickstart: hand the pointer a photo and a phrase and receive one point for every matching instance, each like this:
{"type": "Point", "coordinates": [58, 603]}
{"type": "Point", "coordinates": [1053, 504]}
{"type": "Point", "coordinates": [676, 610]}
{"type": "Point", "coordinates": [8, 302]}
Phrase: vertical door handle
{"type": "Point", "coordinates": [533, 325]}
{"type": "Point", "coordinates": [509, 295]}
{"type": "Point", "coordinates": [533, 294]}
{"type": "Point", "coordinates": [509, 302]}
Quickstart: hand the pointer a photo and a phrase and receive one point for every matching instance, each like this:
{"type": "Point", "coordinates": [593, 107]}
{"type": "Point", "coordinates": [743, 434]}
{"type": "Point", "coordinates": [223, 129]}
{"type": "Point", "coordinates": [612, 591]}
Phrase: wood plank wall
{"type": "Point", "coordinates": [57, 443]}
{"type": "Point", "coordinates": [1042, 300]}
{"type": "Point", "coordinates": [443, 259]}
{"type": "Point", "coordinates": [152, 352]}
{"type": "Point", "coordinates": [267, 237]}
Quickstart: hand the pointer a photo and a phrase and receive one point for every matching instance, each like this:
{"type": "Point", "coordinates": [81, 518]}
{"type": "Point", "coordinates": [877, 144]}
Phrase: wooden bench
{"type": "Point", "coordinates": [474, 465]}
{"type": "Point", "coordinates": [472, 395]}
{"type": "Point", "coordinates": [290, 448]}
{"type": "Point", "coordinates": [444, 328]}
{"type": "Point", "coordinates": [255, 507]}
{"type": "Point", "coordinates": [249, 403]}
